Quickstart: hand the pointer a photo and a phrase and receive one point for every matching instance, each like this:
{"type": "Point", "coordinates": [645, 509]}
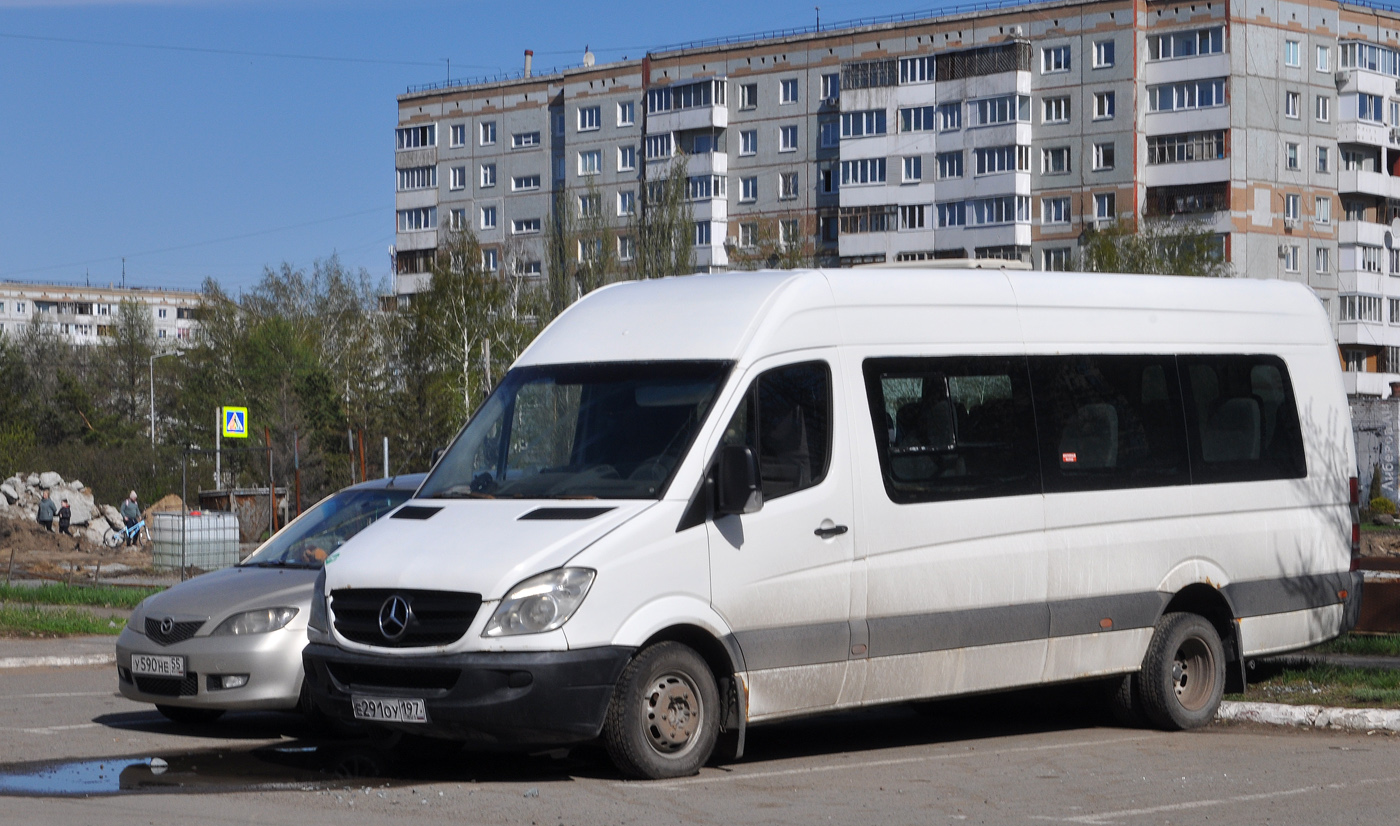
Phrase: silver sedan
{"type": "Point", "coordinates": [232, 639]}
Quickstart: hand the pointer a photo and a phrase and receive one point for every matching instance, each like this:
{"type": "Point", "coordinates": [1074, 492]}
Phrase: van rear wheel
{"type": "Point", "coordinates": [664, 715]}
{"type": "Point", "coordinates": [1183, 674]}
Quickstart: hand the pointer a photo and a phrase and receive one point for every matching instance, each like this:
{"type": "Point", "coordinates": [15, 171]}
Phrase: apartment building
{"type": "Point", "coordinates": [85, 315]}
{"type": "Point", "coordinates": [1001, 132]}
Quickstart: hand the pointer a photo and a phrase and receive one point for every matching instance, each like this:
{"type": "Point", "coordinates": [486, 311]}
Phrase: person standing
{"type": "Point", "coordinates": [47, 511]}
{"type": "Point", "coordinates": [131, 514]}
{"type": "Point", "coordinates": [65, 515]}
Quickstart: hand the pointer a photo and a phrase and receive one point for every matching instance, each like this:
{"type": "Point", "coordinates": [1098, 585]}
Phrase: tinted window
{"type": "Point", "coordinates": [786, 418]}
{"type": "Point", "coordinates": [953, 428]}
{"type": "Point", "coordinates": [314, 535]}
{"type": "Point", "coordinates": [1109, 422]}
{"type": "Point", "coordinates": [1242, 419]}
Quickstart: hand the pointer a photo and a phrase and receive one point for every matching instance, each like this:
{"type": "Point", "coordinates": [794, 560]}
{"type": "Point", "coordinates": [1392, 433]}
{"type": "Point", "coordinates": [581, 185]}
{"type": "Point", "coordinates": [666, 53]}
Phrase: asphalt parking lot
{"type": "Point", "coordinates": [75, 752]}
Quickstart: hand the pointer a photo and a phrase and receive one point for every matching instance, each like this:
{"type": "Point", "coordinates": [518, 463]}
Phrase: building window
{"type": "Point", "coordinates": [702, 233]}
{"type": "Point", "coordinates": [457, 178]}
{"type": "Point", "coordinates": [863, 171]}
{"type": "Point", "coordinates": [1004, 109]}
{"type": "Point", "coordinates": [999, 159]}
{"type": "Point", "coordinates": [590, 205]}
{"type": "Point", "coordinates": [1186, 44]}
{"type": "Point", "coordinates": [1103, 54]}
{"type": "Point", "coordinates": [950, 116]}
{"type": "Point", "coordinates": [659, 146]}
{"type": "Point", "coordinates": [1290, 258]}
{"type": "Point", "coordinates": [1324, 59]}
{"type": "Point", "coordinates": [748, 235]}
{"type": "Point", "coordinates": [1323, 108]}
{"type": "Point", "coordinates": [160, 313]}
{"type": "Point", "coordinates": [490, 261]}
{"type": "Point", "coordinates": [1291, 205]}
{"type": "Point", "coordinates": [418, 177]}
{"type": "Point", "coordinates": [913, 169]}
{"type": "Point", "coordinates": [830, 133]}
{"type": "Point", "coordinates": [787, 138]}
{"type": "Point", "coordinates": [1104, 208]}
{"type": "Point", "coordinates": [1006, 209]}
{"type": "Point", "coordinates": [1360, 308]}
{"type": "Point", "coordinates": [916, 69]}
{"type": "Point", "coordinates": [748, 142]}
{"type": "Point", "coordinates": [1322, 259]}
{"type": "Point", "coordinates": [1292, 53]}
{"type": "Point", "coordinates": [860, 124]}
{"type": "Point", "coordinates": [590, 162]}
{"type": "Point", "coordinates": [789, 233]}
{"type": "Point", "coordinates": [787, 183]}
{"type": "Point", "coordinates": [1291, 101]}
{"type": "Point", "coordinates": [626, 202]}
{"type": "Point", "coordinates": [1054, 59]}
{"type": "Point", "coordinates": [748, 96]}
{"type": "Point", "coordinates": [1322, 209]}
{"type": "Point", "coordinates": [705, 187]}
{"type": "Point", "coordinates": [488, 133]}
{"type": "Point", "coordinates": [590, 249]}
{"type": "Point", "coordinates": [1189, 94]}
{"type": "Point", "coordinates": [1356, 359]}
{"type": "Point", "coordinates": [1369, 107]}
{"type": "Point", "coordinates": [488, 175]}
{"type": "Point", "coordinates": [1055, 161]}
{"type": "Point", "coordinates": [1322, 161]}
{"type": "Point", "coordinates": [831, 86]}
{"type": "Point", "coordinates": [411, 220]}
{"type": "Point", "coordinates": [787, 90]}
{"type": "Point", "coordinates": [952, 214]}
{"type": "Point", "coordinates": [911, 216]}
{"type": "Point", "coordinates": [524, 140]}
{"type": "Point", "coordinates": [1054, 210]}
{"type": "Point", "coordinates": [626, 248]}
{"type": "Point", "coordinates": [1103, 156]}
{"type": "Point", "coordinates": [459, 134]}
{"type": "Point", "coordinates": [1055, 259]}
{"type": "Point", "coordinates": [626, 113]}
{"type": "Point", "coordinates": [1055, 110]}
{"type": "Point", "coordinates": [950, 165]}
{"type": "Point", "coordinates": [748, 189]}
{"type": "Point", "coordinates": [525, 226]}
{"type": "Point", "coordinates": [557, 121]}
{"type": "Point", "coordinates": [522, 183]}
{"type": "Point", "coordinates": [488, 217]}
{"type": "Point", "coordinates": [1395, 266]}
{"type": "Point", "coordinates": [415, 137]}
{"type": "Point", "coordinates": [917, 119]}
{"type": "Point", "coordinates": [626, 158]}
{"type": "Point", "coordinates": [1104, 105]}
{"type": "Point", "coordinates": [826, 178]}
{"type": "Point", "coordinates": [590, 118]}
{"type": "Point", "coordinates": [1290, 155]}
{"type": "Point", "coordinates": [1394, 319]}
{"type": "Point", "coordinates": [1370, 257]}
{"type": "Point", "coordinates": [560, 168]}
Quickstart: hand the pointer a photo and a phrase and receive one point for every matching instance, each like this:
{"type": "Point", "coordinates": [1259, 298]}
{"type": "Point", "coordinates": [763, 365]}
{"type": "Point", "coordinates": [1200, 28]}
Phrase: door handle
{"type": "Point", "coordinates": [834, 530]}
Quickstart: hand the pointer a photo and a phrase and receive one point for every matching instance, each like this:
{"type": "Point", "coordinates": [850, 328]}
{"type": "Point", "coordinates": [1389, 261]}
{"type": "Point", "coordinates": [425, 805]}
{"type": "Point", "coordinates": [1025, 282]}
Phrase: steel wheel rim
{"type": "Point", "coordinates": [1193, 674]}
{"type": "Point", "coordinates": [672, 714]}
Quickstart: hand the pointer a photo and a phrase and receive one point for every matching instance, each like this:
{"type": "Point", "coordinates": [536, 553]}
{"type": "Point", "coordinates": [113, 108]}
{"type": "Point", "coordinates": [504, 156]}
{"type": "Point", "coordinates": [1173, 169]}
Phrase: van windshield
{"type": "Point", "coordinates": [580, 431]}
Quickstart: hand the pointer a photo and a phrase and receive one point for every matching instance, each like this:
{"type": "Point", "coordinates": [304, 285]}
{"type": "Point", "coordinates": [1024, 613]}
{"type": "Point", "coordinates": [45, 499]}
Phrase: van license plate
{"type": "Point", "coordinates": [157, 666]}
{"type": "Point", "coordinates": [389, 709]}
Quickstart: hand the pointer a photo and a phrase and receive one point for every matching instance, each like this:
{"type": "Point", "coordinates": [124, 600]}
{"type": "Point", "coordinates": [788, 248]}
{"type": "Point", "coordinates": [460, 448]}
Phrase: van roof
{"type": "Point", "coordinates": [721, 316]}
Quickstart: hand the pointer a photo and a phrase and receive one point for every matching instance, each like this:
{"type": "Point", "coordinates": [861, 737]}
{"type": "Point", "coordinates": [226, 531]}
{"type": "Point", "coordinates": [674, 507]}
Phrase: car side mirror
{"type": "Point", "coordinates": [437, 454]}
{"type": "Point", "coordinates": [738, 488]}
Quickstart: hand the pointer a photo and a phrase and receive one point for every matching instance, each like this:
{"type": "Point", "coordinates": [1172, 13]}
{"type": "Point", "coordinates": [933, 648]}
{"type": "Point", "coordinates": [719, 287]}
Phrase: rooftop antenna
{"type": "Point", "coordinates": [819, 17]}
{"type": "Point", "coordinates": [123, 273]}
{"type": "Point", "coordinates": [449, 70]}
{"type": "Point", "coordinates": [87, 277]}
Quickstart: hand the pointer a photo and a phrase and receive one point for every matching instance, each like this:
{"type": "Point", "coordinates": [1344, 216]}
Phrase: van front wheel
{"type": "Point", "coordinates": [664, 715]}
{"type": "Point", "coordinates": [1183, 674]}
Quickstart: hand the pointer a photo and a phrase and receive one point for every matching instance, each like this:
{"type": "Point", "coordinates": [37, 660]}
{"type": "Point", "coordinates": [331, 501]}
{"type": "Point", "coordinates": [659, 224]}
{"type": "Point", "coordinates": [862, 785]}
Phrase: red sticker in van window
{"type": "Point", "coordinates": [1068, 458]}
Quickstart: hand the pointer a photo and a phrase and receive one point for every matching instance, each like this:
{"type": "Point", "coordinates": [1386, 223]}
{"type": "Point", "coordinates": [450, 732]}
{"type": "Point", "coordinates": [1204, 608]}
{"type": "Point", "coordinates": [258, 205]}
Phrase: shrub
{"type": "Point", "coordinates": [1383, 505]}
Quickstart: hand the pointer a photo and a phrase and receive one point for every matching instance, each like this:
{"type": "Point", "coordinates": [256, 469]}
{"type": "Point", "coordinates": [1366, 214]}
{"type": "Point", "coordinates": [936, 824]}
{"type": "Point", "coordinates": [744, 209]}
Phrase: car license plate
{"type": "Point", "coordinates": [389, 709]}
{"type": "Point", "coordinates": [157, 666]}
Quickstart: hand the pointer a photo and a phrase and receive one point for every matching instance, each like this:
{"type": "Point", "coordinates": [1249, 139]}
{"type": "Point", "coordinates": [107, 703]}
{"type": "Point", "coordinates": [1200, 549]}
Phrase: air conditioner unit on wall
{"type": "Point", "coordinates": [1342, 76]}
{"type": "Point", "coordinates": [1282, 250]}
{"type": "Point", "coordinates": [1290, 223]}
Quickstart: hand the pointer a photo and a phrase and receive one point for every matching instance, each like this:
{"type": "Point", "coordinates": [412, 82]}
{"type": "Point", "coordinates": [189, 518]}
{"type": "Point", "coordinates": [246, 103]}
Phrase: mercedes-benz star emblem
{"type": "Point", "coordinates": [393, 617]}
{"type": "Point", "coordinates": [167, 625]}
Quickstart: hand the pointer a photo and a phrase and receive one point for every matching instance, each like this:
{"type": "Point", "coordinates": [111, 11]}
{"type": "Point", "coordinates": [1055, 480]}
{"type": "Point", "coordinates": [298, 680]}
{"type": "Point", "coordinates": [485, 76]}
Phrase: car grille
{"type": "Point", "coordinates": [438, 617]}
{"type": "Point", "coordinates": [379, 676]}
{"type": "Point", "coordinates": [186, 686]}
{"type": "Point", "coordinates": [179, 632]}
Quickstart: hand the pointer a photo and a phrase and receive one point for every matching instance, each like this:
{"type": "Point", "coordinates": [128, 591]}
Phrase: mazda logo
{"type": "Point", "coordinates": [167, 625]}
{"type": "Point", "coordinates": [394, 615]}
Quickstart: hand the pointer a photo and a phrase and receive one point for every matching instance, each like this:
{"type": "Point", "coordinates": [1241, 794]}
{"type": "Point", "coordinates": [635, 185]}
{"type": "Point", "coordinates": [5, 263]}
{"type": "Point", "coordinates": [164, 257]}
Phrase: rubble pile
{"type": "Point", "coordinates": [20, 494]}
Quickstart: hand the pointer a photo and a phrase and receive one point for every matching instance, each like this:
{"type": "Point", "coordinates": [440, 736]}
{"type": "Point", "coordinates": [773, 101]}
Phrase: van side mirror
{"type": "Point", "coordinates": [738, 488]}
{"type": "Point", "coordinates": [437, 454]}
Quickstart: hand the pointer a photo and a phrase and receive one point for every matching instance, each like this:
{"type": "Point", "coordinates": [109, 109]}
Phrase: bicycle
{"type": "Point", "coordinates": [114, 537]}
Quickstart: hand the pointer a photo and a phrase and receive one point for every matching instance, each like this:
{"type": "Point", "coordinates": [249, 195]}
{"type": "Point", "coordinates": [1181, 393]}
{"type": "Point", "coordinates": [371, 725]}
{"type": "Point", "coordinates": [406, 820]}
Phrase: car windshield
{"type": "Point", "coordinates": [313, 536]}
{"type": "Point", "coordinates": [580, 431]}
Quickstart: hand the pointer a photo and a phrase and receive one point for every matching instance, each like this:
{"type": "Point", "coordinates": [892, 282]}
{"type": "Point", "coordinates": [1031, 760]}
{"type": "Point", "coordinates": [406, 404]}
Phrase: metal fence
{"type": "Point", "coordinates": [207, 542]}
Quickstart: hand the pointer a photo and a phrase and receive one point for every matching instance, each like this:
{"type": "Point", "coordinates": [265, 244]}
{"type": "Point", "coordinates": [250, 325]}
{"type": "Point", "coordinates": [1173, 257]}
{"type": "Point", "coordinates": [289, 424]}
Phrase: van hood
{"type": "Point", "coordinates": [473, 545]}
{"type": "Point", "coordinates": [217, 594]}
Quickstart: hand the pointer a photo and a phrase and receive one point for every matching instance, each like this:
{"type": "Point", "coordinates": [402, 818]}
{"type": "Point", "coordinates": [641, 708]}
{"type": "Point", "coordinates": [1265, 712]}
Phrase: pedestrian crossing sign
{"type": "Point", "coordinates": [235, 422]}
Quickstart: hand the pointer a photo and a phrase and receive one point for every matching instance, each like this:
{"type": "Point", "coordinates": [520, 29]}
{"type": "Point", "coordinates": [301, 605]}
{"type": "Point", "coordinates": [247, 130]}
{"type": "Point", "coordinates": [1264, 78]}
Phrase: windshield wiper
{"type": "Point", "coordinates": [281, 563]}
{"type": "Point", "coordinates": [457, 493]}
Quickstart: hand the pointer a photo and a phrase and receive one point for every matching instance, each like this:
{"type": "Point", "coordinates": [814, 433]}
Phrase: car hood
{"type": "Point", "coordinates": [220, 593]}
{"type": "Point", "coordinates": [473, 545]}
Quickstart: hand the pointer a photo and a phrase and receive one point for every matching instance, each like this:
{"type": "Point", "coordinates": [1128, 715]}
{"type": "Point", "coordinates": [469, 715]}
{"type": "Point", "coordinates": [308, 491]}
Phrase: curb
{"type": "Point", "coordinates": [49, 662]}
{"type": "Point", "coordinates": [1279, 714]}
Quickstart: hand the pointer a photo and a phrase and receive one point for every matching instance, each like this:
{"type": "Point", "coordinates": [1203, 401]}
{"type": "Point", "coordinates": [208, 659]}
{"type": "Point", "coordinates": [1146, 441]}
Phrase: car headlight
{"type": "Point", "coordinates": [319, 621]}
{"type": "Point", "coordinates": [138, 614]}
{"type": "Point", "coordinates": [541, 603]}
{"type": "Point", "coordinates": [260, 621]}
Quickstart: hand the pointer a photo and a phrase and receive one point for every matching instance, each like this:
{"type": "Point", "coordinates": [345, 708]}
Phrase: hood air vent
{"type": "Point", "coordinates": [414, 512]}
{"type": "Point", "coordinates": [563, 514]}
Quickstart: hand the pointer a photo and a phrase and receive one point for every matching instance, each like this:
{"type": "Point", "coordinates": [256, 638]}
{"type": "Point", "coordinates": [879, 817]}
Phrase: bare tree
{"type": "Point", "coordinates": [1155, 246]}
{"type": "Point", "coordinates": [664, 227]}
{"type": "Point", "coordinates": [780, 242]}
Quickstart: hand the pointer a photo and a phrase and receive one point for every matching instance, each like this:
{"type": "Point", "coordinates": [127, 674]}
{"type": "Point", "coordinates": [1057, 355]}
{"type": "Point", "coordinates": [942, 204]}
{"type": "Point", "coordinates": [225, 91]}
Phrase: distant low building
{"type": "Point", "coordinates": [84, 315]}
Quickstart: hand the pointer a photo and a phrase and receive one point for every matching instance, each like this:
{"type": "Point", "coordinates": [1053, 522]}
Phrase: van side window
{"type": "Point", "coordinates": [1242, 419]}
{"type": "Point", "coordinates": [1109, 422]}
{"type": "Point", "coordinates": [786, 418]}
{"type": "Point", "coordinates": [953, 428]}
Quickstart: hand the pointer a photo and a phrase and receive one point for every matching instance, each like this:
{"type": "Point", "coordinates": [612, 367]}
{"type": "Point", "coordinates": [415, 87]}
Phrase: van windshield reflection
{"type": "Point", "coordinates": [594, 431]}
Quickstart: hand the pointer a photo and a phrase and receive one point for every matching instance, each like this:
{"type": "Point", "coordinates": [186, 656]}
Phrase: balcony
{"type": "Point", "coordinates": [1199, 200]}
{"type": "Point", "coordinates": [1187, 68]}
{"type": "Point", "coordinates": [1187, 120]}
{"type": "Point", "coordinates": [1368, 282]}
{"type": "Point", "coordinates": [1185, 173]}
{"type": "Point", "coordinates": [1368, 183]}
{"type": "Point", "coordinates": [707, 163]}
{"type": "Point", "coordinates": [1362, 232]}
{"type": "Point", "coordinates": [1368, 133]}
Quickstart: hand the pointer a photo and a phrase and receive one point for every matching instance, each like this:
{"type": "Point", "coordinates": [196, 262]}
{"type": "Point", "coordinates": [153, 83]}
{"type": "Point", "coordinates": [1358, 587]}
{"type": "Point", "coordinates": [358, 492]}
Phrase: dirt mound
{"type": "Point", "coordinates": [169, 502]}
{"type": "Point", "coordinates": [38, 553]}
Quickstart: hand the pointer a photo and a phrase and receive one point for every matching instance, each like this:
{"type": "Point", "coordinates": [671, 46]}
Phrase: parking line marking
{"type": "Point", "coordinates": [1110, 817]}
{"type": "Point", "coordinates": [53, 729]}
{"type": "Point", "coordinates": [40, 662]}
{"type": "Point", "coordinates": [896, 761]}
{"type": "Point", "coordinates": [57, 694]}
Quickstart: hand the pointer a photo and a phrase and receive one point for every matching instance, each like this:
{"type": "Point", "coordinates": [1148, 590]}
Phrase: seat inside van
{"type": "Point", "coordinates": [1231, 434]}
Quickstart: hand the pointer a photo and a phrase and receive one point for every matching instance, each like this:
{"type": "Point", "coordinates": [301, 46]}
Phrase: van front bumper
{"type": "Point", "coordinates": [540, 698]}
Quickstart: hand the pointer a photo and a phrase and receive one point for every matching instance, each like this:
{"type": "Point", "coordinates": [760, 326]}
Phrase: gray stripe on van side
{"type": "Point", "coordinates": [790, 645]}
{"type": "Point", "coordinates": [1071, 617]}
{"type": "Point", "coordinates": [916, 633]}
{"type": "Point", "coordinates": [1255, 598]}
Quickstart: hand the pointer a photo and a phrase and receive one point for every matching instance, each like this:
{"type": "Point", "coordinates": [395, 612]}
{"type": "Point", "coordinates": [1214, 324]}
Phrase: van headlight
{"type": "Point", "coordinates": [318, 623]}
{"type": "Point", "coordinates": [541, 603]}
{"type": "Point", "coordinates": [261, 621]}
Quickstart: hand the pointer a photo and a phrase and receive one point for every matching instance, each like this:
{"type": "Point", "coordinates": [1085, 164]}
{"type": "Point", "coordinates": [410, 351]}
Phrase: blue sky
{"type": "Point", "coordinates": [184, 136]}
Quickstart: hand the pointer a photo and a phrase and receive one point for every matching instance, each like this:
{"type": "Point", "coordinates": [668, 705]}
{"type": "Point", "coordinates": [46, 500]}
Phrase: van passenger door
{"type": "Point", "coordinates": [781, 576]}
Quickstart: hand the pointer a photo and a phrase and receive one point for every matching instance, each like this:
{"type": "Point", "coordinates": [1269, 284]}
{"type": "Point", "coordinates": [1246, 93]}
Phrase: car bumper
{"type": "Point", "coordinates": [518, 699]}
{"type": "Point", "coordinates": [272, 662]}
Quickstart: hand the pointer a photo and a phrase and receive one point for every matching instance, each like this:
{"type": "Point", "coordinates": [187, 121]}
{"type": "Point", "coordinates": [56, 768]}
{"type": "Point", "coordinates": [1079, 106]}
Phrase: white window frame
{"type": "Point", "coordinates": [830, 133]}
{"type": "Point", "coordinates": [1291, 160]}
{"type": "Point", "coordinates": [486, 217]}
{"type": "Point", "coordinates": [521, 183]}
{"type": "Point", "coordinates": [486, 132]}
{"type": "Point", "coordinates": [457, 178]}
{"type": "Point", "coordinates": [787, 138]}
{"type": "Point", "coordinates": [487, 175]}
{"type": "Point", "coordinates": [1292, 102]}
{"type": "Point", "coordinates": [590, 118]}
{"type": "Point", "coordinates": [1105, 206]}
{"type": "Point", "coordinates": [1058, 105]}
{"type": "Point", "coordinates": [1322, 108]}
{"type": "Point", "coordinates": [947, 161]}
{"type": "Point", "coordinates": [748, 96]}
{"type": "Point", "coordinates": [627, 113]}
{"type": "Point", "coordinates": [1292, 206]}
{"type": "Point", "coordinates": [1322, 209]}
{"type": "Point", "coordinates": [590, 162]}
{"type": "Point", "coordinates": [831, 86]}
{"type": "Point", "coordinates": [913, 169]}
{"type": "Point", "coordinates": [1105, 156]}
{"type": "Point", "coordinates": [627, 159]}
{"type": "Point", "coordinates": [788, 186]}
{"type": "Point", "coordinates": [1105, 105]}
{"type": "Point", "coordinates": [1322, 259]}
{"type": "Point", "coordinates": [526, 226]}
{"type": "Point", "coordinates": [1054, 59]}
{"type": "Point", "coordinates": [1104, 53]}
{"type": "Point", "coordinates": [1055, 211]}
{"type": "Point", "coordinates": [626, 248]}
{"type": "Point", "coordinates": [748, 190]}
{"type": "Point", "coordinates": [1324, 59]}
{"type": "Point", "coordinates": [526, 140]}
{"type": "Point", "coordinates": [626, 202]}
{"type": "Point", "coordinates": [1050, 154]}
{"type": "Point", "coordinates": [1324, 160]}
{"type": "Point", "coordinates": [1292, 53]}
{"type": "Point", "coordinates": [748, 142]}
{"type": "Point", "coordinates": [1290, 258]}
{"type": "Point", "coordinates": [490, 260]}
{"type": "Point", "coordinates": [787, 91]}
{"type": "Point", "coordinates": [457, 135]}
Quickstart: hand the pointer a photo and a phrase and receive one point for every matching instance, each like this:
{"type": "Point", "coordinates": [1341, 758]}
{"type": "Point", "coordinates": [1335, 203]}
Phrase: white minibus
{"type": "Point", "coordinates": [698, 504]}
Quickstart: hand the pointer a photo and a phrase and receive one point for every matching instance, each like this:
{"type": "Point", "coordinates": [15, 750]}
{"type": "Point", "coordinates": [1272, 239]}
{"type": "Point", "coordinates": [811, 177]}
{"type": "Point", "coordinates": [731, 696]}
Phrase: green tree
{"type": "Point", "coordinates": [127, 356]}
{"type": "Point", "coordinates": [664, 226]}
{"type": "Point", "coordinates": [778, 242]}
{"type": "Point", "coordinates": [1154, 246]}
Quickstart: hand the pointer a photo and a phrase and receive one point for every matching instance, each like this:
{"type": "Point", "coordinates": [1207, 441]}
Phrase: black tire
{"type": "Point", "coordinates": [190, 716]}
{"type": "Point", "coordinates": [664, 716]}
{"type": "Point", "coordinates": [1183, 674]}
{"type": "Point", "coordinates": [1123, 701]}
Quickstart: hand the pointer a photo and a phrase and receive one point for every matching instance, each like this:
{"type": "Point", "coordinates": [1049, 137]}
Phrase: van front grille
{"type": "Point", "coordinates": [435, 617]}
